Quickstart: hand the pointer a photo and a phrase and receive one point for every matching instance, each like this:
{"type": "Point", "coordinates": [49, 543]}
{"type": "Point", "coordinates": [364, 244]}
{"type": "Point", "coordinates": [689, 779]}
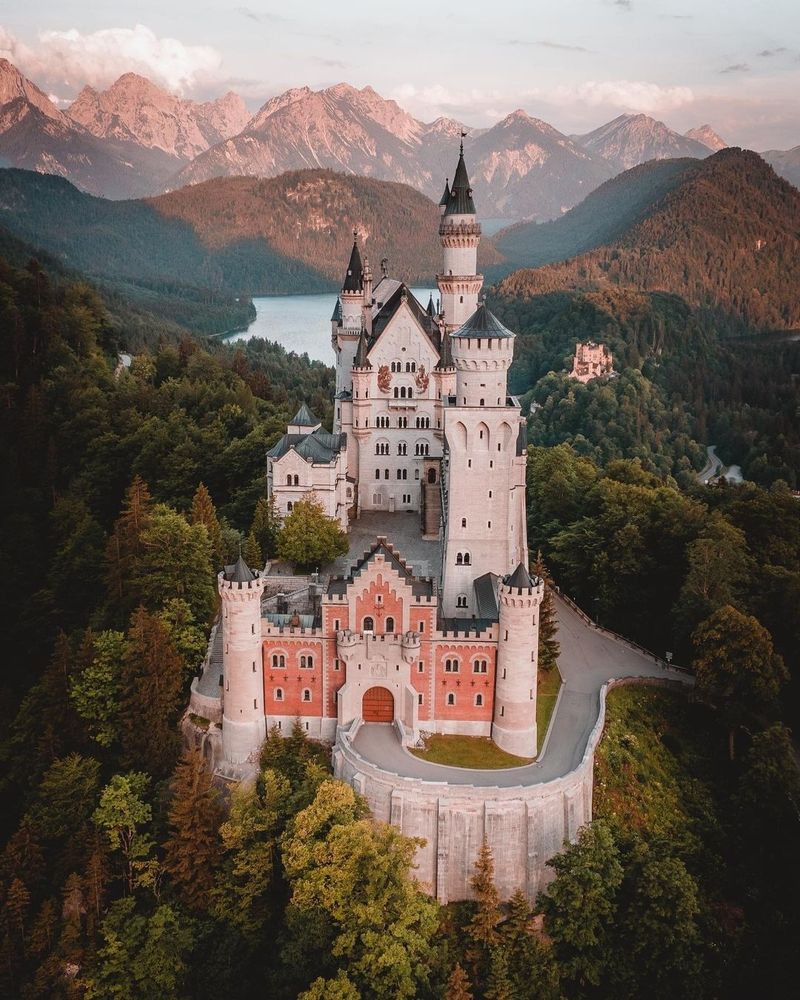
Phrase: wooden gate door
{"type": "Point", "coordinates": [378, 705]}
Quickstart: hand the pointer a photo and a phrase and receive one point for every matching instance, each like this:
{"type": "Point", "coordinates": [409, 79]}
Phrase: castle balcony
{"type": "Point", "coordinates": [403, 404]}
{"type": "Point", "coordinates": [459, 229]}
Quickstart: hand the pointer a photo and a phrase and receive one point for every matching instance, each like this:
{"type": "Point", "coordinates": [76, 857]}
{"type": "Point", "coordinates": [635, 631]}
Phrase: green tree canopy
{"type": "Point", "coordinates": [309, 538]}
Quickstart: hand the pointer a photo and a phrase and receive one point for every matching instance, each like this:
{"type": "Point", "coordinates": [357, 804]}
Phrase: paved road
{"type": "Point", "coordinates": [714, 467]}
{"type": "Point", "coordinates": [588, 659]}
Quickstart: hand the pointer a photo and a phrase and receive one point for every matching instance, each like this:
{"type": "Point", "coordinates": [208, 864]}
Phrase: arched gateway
{"type": "Point", "coordinates": [377, 705]}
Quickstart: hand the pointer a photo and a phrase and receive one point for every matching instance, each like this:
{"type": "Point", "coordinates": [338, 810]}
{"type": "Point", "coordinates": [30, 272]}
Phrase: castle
{"type": "Point", "coordinates": [423, 423]}
{"type": "Point", "coordinates": [591, 361]}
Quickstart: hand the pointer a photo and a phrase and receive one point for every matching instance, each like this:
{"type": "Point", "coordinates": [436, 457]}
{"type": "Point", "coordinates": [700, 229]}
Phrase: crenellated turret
{"type": "Point", "coordinates": [243, 716]}
{"type": "Point", "coordinates": [482, 352]}
{"type": "Point", "coordinates": [514, 723]}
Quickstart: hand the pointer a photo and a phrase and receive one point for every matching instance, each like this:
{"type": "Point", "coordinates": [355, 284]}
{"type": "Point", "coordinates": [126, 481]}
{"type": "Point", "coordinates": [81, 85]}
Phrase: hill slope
{"type": "Point", "coordinates": [601, 217]}
{"type": "Point", "coordinates": [786, 163]}
{"type": "Point", "coordinates": [726, 239]}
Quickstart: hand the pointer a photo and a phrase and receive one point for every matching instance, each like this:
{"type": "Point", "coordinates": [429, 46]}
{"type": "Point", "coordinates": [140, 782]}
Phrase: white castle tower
{"type": "Point", "coordinates": [350, 309]}
{"type": "Point", "coordinates": [514, 722]}
{"type": "Point", "coordinates": [243, 718]}
{"type": "Point", "coordinates": [485, 524]}
{"type": "Point", "coordinates": [459, 233]}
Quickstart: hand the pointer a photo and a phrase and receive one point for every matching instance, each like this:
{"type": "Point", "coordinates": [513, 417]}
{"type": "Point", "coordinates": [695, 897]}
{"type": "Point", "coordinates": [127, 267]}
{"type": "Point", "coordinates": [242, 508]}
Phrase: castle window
{"type": "Point", "coordinates": [489, 524]}
{"type": "Point", "coordinates": [461, 601]}
{"type": "Point", "coordinates": [416, 474]}
{"type": "Point", "coordinates": [399, 474]}
{"type": "Point", "coordinates": [490, 494]}
{"type": "Point", "coordinates": [336, 664]}
{"type": "Point", "coordinates": [253, 629]}
{"type": "Point", "coordinates": [278, 694]}
{"type": "Point", "coordinates": [461, 298]}
{"type": "Point", "coordinates": [451, 666]}
{"type": "Point", "coordinates": [466, 559]}
{"type": "Point", "coordinates": [480, 667]}
{"type": "Point", "coordinates": [336, 625]}
{"type": "Point", "coordinates": [504, 673]}
{"type": "Point", "coordinates": [278, 661]}
{"type": "Point", "coordinates": [379, 598]}
{"type": "Point", "coordinates": [480, 435]}
{"type": "Point", "coordinates": [451, 699]}
{"type": "Point", "coordinates": [289, 507]}
{"type": "Point", "coordinates": [288, 480]}
{"type": "Point", "coordinates": [396, 392]}
{"type": "Point", "coordinates": [390, 625]}
{"type": "Point", "coordinates": [306, 694]}
{"type": "Point", "coordinates": [401, 448]}
{"type": "Point", "coordinates": [463, 522]}
{"type": "Point", "coordinates": [410, 392]}
{"type": "Point", "coordinates": [254, 666]}
{"type": "Point", "coordinates": [296, 480]}
{"type": "Point", "coordinates": [482, 403]}
{"type": "Point", "coordinates": [531, 690]}
{"type": "Point", "coordinates": [255, 703]}
{"type": "Point", "coordinates": [459, 559]}
{"type": "Point", "coordinates": [421, 627]}
{"type": "Point", "coordinates": [377, 473]}
{"type": "Point", "coordinates": [502, 710]}
{"type": "Point", "coordinates": [419, 699]}
{"type": "Point", "coordinates": [420, 667]}
{"type": "Point", "coordinates": [402, 392]}
{"type": "Point", "coordinates": [499, 446]}
{"type": "Point", "coordinates": [478, 700]}
{"type": "Point", "coordinates": [306, 662]}
{"type": "Point", "coordinates": [385, 473]}
{"type": "Point", "coordinates": [369, 625]}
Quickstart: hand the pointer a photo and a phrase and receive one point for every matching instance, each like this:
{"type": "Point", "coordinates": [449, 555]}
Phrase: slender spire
{"type": "Point", "coordinates": [460, 201]}
{"type": "Point", "coordinates": [336, 317]}
{"type": "Point", "coordinates": [354, 279]}
{"type": "Point", "coordinates": [431, 306]}
{"type": "Point", "coordinates": [446, 356]}
{"type": "Point", "coordinates": [446, 196]}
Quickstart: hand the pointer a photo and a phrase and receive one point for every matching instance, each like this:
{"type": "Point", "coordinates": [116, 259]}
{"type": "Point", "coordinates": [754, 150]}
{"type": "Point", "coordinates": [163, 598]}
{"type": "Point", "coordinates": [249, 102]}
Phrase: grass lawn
{"type": "Point", "coordinates": [547, 687]}
{"type": "Point", "coordinates": [467, 751]}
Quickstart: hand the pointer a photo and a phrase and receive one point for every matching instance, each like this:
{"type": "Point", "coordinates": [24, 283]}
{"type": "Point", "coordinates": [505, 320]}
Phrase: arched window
{"type": "Point", "coordinates": [461, 601]}
{"type": "Point", "coordinates": [402, 448]}
{"type": "Point", "coordinates": [289, 507]}
{"type": "Point", "coordinates": [396, 392]}
{"type": "Point", "coordinates": [288, 480]}
{"type": "Point", "coordinates": [451, 666]}
{"type": "Point", "coordinates": [307, 661]}
{"type": "Point", "coordinates": [296, 480]}
{"type": "Point", "coordinates": [377, 473]}
{"type": "Point", "coordinates": [278, 694]}
{"type": "Point", "coordinates": [385, 473]}
{"type": "Point", "coordinates": [390, 625]}
{"type": "Point", "coordinates": [480, 667]}
{"type": "Point", "coordinates": [463, 522]}
{"type": "Point", "coordinates": [306, 694]}
{"type": "Point", "coordinates": [466, 559]}
{"type": "Point", "coordinates": [451, 699]}
{"type": "Point", "coordinates": [459, 559]}
{"type": "Point", "coordinates": [482, 402]}
{"type": "Point", "coordinates": [278, 661]}
{"type": "Point", "coordinates": [410, 392]}
{"type": "Point", "coordinates": [431, 475]}
{"type": "Point", "coordinates": [369, 625]}
{"type": "Point", "coordinates": [478, 700]}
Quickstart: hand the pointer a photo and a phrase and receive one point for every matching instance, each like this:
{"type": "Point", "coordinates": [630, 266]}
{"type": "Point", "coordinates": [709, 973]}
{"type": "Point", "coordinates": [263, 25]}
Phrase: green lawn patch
{"type": "Point", "coordinates": [547, 688]}
{"type": "Point", "coordinates": [467, 751]}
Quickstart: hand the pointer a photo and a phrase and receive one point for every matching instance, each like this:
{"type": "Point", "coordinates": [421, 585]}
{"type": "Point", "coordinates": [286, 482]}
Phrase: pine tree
{"type": "Point", "coordinates": [252, 553]}
{"type": "Point", "coordinates": [193, 851]}
{"type": "Point", "coordinates": [458, 985]}
{"type": "Point", "coordinates": [499, 986]}
{"type": "Point", "coordinates": [309, 537]}
{"type": "Point", "coordinates": [204, 512]}
{"type": "Point", "coordinates": [549, 647]}
{"type": "Point", "coordinates": [151, 696]}
{"type": "Point", "coordinates": [266, 526]}
{"type": "Point", "coordinates": [124, 548]}
{"type": "Point", "coordinates": [482, 930]}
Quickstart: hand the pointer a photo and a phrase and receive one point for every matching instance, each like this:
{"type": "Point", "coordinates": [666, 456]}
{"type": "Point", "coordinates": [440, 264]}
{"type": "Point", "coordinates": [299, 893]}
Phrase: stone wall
{"type": "Point", "coordinates": [525, 825]}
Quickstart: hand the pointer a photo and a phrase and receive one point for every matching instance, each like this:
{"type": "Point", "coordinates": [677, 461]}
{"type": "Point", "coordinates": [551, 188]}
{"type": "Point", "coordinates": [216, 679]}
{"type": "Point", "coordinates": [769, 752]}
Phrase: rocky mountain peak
{"type": "Point", "coordinates": [708, 137]}
{"type": "Point", "coordinates": [14, 86]}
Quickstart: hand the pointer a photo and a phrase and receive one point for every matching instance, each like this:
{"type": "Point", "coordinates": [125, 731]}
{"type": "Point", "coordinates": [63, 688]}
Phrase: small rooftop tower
{"type": "Point", "coordinates": [459, 234]}
{"type": "Point", "coordinates": [482, 351]}
{"type": "Point", "coordinates": [352, 296]}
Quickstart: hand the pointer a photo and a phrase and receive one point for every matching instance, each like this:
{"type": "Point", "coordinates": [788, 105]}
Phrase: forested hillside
{"type": "Point", "coordinates": [725, 240]}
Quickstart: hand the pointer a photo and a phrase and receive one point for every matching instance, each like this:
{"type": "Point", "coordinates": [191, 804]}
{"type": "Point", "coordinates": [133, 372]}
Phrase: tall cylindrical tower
{"type": "Point", "coordinates": [514, 722]}
{"type": "Point", "coordinates": [459, 234]}
{"type": "Point", "coordinates": [243, 718]}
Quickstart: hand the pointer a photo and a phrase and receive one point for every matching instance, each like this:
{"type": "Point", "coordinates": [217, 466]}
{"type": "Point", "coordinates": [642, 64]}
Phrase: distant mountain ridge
{"type": "Point", "coordinates": [724, 238]}
{"type": "Point", "coordinates": [629, 140]}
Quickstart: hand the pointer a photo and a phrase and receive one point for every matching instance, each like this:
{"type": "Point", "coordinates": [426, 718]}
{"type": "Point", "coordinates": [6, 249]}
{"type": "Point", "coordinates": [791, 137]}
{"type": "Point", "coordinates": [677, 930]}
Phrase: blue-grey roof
{"type": "Point", "coordinates": [485, 588]}
{"type": "Point", "coordinates": [304, 418]}
{"type": "Point", "coordinates": [483, 323]}
{"type": "Point", "coordinates": [336, 316]}
{"type": "Point", "coordinates": [520, 579]}
{"type": "Point", "coordinates": [446, 196]}
{"type": "Point", "coordinates": [354, 279]}
{"type": "Point", "coordinates": [460, 201]}
{"type": "Point", "coordinates": [319, 447]}
{"type": "Point", "coordinates": [239, 572]}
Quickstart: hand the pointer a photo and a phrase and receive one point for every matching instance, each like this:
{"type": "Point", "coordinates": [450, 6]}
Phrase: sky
{"type": "Point", "coordinates": [574, 63]}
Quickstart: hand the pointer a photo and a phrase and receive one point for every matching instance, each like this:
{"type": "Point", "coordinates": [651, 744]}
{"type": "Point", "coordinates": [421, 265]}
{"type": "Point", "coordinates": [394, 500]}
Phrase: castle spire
{"type": "Point", "coordinates": [354, 279]}
{"type": "Point", "coordinates": [460, 201]}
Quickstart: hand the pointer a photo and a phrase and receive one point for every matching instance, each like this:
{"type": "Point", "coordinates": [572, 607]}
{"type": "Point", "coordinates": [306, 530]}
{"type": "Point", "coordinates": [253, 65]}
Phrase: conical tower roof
{"type": "Point", "coordinates": [520, 579]}
{"type": "Point", "coordinates": [460, 201]}
{"type": "Point", "coordinates": [483, 323]}
{"type": "Point", "coordinates": [304, 417]}
{"type": "Point", "coordinates": [354, 279]}
{"type": "Point", "coordinates": [446, 196]}
{"type": "Point", "coordinates": [446, 356]}
{"type": "Point", "coordinates": [336, 316]}
{"type": "Point", "coordinates": [431, 306]}
{"type": "Point", "coordinates": [239, 572]}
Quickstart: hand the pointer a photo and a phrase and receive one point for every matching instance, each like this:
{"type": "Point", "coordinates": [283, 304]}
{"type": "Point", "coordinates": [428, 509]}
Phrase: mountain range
{"type": "Point", "coordinates": [134, 139]}
{"type": "Point", "coordinates": [719, 233]}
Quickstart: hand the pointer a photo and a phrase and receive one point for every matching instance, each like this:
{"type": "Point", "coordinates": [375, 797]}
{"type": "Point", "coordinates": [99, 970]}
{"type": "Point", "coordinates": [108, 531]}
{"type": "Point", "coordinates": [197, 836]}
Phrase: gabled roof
{"type": "Point", "coordinates": [483, 323]}
{"type": "Point", "coordinates": [319, 447]}
{"type": "Point", "coordinates": [354, 279]}
{"type": "Point", "coordinates": [460, 201]}
{"type": "Point", "coordinates": [420, 586]}
{"type": "Point", "coordinates": [520, 579]}
{"type": "Point", "coordinates": [336, 315]}
{"type": "Point", "coordinates": [485, 588]}
{"type": "Point", "coordinates": [381, 318]}
{"type": "Point", "coordinates": [239, 572]}
{"type": "Point", "coordinates": [304, 418]}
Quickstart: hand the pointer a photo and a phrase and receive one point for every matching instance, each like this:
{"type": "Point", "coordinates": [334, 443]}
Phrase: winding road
{"type": "Point", "coordinates": [589, 658]}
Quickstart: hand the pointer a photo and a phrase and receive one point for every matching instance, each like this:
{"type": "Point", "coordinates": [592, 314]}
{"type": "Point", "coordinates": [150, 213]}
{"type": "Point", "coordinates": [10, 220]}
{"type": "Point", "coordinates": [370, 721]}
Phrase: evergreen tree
{"type": "Point", "coordinates": [580, 906]}
{"type": "Point", "coordinates": [151, 695]}
{"type": "Point", "coordinates": [499, 985]}
{"type": "Point", "coordinates": [483, 929]}
{"type": "Point", "coordinates": [458, 987]}
{"type": "Point", "coordinates": [549, 646]}
{"type": "Point", "coordinates": [266, 527]}
{"type": "Point", "coordinates": [309, 538]}
{"type": "Point", "coordinates": [188, 638]}
{"type": "Point", "coordinates": [192, 853]}
{"type": "Point", "coordinates": [96, 690]}
{"type": "Point", "coordinates": [252, 553]}
{"type": "Point", "coordinates": [204, 512]}
{"type": "Point", "coordinates": [124, 550]}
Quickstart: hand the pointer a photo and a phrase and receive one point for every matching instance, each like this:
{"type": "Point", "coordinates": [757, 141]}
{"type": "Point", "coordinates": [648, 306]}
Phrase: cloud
{"type": "Point", "coordinates": [624, 4]}
{"type": "Point", "coordinates": [255, 15]}
{"type": "Point", "coordinates": [544, 44]}
{"type": "Point", "coordinates": [632, 95]}
{"type": "Point", "coordinates": [736, 68]}
{"type": "Point", "coordinates": [72, 58]}
{"type": "Point", "coordinates": [768, 53]}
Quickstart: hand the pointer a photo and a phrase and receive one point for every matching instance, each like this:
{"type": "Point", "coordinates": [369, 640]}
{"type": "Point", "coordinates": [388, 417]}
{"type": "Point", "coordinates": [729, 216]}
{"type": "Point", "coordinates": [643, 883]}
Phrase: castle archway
{"type": "Point", "coordinates": [377, 705]}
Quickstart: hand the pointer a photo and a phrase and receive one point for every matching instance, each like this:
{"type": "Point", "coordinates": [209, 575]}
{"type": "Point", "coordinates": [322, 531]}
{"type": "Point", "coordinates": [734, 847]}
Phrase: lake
{"type": "Point", "coordinates": [302, 323]}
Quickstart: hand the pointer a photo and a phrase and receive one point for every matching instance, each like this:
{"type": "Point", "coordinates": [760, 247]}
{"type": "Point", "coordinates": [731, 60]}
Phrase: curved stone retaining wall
{"type": "Point", "coordinates": [525, 825]}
